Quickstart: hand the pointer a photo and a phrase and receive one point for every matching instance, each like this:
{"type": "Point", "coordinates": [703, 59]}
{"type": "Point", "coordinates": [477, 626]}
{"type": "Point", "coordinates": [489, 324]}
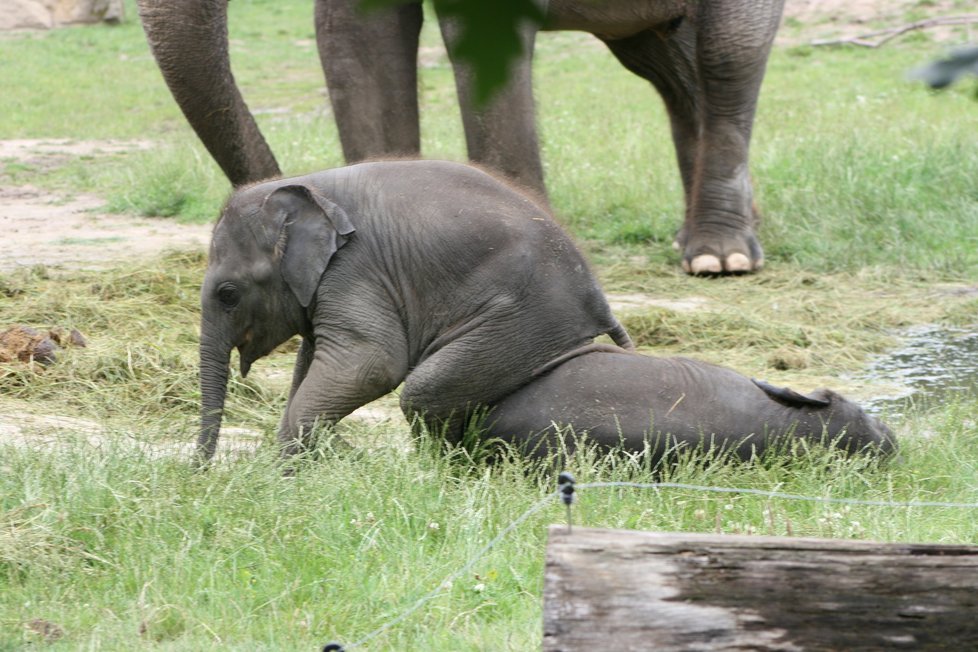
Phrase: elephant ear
{"type": "Point", "coordinates": [310, 228]}
{"type": "Point", "coordinates": [790, 396]}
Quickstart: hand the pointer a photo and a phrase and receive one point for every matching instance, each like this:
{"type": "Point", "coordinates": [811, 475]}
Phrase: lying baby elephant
{"type": "Point", "coordinates": [429, 273]}
{"type": "Point", "coordinates": [624, 399]}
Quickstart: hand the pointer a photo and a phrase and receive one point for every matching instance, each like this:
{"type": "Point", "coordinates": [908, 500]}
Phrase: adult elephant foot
{"type": "Point", "coordinates": [730, 252]}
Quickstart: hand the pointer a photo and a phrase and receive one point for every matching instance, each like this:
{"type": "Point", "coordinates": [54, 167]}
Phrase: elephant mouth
{"type": "Point", "coordinates": [245, 363]}
{"type": "Point", "coordinates": [245, 354]}
{"type": "Point", "coordinates": [252, 349]}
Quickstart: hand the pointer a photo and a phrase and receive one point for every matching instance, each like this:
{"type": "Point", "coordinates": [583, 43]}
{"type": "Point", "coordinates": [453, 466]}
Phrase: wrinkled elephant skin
{"type": "Point", "coordinates": [429, 273]}
{"type": "Point", "coordinates": [631, 400]}
{"type": "Point", "coordinates": [706, 58]}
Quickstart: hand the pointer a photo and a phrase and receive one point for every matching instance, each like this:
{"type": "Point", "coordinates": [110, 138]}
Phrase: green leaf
{"type": "Point", "coordinates": [489, 38]}
{"type": "Point", "coordinates": [944, 72]}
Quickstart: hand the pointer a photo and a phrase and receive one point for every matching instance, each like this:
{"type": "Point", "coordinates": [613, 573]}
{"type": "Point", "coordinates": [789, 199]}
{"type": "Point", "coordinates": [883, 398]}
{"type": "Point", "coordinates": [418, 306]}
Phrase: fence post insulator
{"type": "Point", "coordinates": [565, 486]}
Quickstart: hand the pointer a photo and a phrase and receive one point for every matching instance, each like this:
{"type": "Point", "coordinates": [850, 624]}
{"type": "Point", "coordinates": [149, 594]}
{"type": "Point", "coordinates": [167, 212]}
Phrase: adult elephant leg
{"type": "Point", "coordinates": [189, 39]}
{"type": "Point", "coordinates": [667, 59]}
{"type": "Point", "coordinates": [370, 63]}
{"type": "Point", "coordinates": [732, 46]}
{"type": "Point", "coordinates": [501, 134]}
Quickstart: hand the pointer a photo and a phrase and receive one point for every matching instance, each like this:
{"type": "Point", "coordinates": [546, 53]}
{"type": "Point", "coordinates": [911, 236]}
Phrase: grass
{"type": "Point", "coordinates": [118, 545]}
{"type": "Point", "coordinates": [868, 187]}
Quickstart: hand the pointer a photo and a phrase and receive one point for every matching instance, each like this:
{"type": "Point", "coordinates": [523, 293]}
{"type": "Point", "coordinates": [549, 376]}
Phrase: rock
{"type": "Point", "coordinates": [47, 630]}
{"type": "Point", "coordinates": [25, 14]}
{"type": "Point", "coordinates": [67, 338]}
{"type": "Point", "coordinates": [45, 14]}
{"type": "Point", "coordinates": [69, 12]}
{"type": "Point", "coordinates": [25, 344]}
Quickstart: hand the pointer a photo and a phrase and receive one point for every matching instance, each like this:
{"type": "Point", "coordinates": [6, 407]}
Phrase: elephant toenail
{"type": "Point", "coordinates": [738, 262]}
{"type": "Point", "coordinates": [706, 264]}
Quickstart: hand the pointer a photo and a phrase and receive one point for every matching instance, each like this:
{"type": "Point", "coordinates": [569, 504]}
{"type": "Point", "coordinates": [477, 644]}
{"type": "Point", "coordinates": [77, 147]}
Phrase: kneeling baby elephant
{"type": "Point", "coordinates": [429, 273]}
{"type": "Point", "coordinates": [628, 400]}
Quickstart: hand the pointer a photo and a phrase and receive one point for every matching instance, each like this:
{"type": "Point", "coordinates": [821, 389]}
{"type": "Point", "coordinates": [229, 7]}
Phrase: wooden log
{"type": "Point", "coordinates": [625, 590]}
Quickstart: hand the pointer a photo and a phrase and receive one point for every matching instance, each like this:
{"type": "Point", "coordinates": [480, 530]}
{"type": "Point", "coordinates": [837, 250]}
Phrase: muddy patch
{"type": "Point", "coordinates": [933, 364]}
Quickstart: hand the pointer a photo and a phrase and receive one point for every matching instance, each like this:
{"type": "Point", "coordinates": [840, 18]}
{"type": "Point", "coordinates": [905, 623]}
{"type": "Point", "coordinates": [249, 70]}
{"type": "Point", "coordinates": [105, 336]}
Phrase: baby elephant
{"type": "Point", "coordinates": [429, 273]}
{"type": "Point", "coordinates": [626, 399]}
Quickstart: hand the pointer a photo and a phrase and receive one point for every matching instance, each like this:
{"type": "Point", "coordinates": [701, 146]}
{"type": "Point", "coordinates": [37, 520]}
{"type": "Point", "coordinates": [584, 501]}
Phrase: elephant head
{"type": "Point", "coordinates": [268, 253]}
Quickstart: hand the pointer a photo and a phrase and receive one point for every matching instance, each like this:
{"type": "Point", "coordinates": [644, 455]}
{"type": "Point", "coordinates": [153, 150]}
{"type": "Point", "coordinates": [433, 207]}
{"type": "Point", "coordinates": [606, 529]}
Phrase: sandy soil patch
{"type": "Point", "coordinates": [624, 302]}
{"type": "Point", "coordinates": [53, 152]}
{"type": "Point", "coordinates": [44, 228]}
{"type": "Point", "coordinates": [74, 232]}
{"type": "Point", "coordinates": [49, 432]}
{"type": "Point", "coordinates": [812, 20]}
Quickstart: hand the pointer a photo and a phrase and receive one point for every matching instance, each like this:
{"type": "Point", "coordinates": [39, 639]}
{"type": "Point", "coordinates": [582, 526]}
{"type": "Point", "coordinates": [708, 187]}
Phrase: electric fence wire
{"type": "Point", "coordinates": [777, 494]}
{"type": "Point", "coordinates": [564, 494]}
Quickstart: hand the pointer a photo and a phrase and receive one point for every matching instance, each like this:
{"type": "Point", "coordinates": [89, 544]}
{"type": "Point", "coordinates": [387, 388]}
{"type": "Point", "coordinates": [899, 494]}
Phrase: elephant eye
{"type": "Point", "coordinates": [228, 295]}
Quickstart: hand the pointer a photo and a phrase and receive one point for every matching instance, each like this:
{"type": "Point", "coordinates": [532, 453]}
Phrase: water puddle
{"type": "Point", "coordinates": [932, 364]}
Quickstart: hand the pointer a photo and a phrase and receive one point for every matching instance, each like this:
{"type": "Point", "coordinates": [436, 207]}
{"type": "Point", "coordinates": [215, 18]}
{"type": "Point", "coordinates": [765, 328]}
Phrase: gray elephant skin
{"type": "Point", "coordinates": [626, 400]}
{"type": "Point", "coordinates": [706, 58]}
{"type": "Point", "coordinates": [429, 273]}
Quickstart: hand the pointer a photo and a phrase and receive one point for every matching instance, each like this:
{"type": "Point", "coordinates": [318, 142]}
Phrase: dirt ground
{"type": "Point", "coordinates": [806, 21]}
{"type": "Point", "coordinates": [44, 228]}
{"type": "Point", "coordinates": [856, 13]}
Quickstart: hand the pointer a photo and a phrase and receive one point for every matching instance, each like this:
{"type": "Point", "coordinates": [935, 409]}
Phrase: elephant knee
{"type": "Point", "coordinates": [415, 402]}
{"type": "Point", "coordinates": [297, 429]}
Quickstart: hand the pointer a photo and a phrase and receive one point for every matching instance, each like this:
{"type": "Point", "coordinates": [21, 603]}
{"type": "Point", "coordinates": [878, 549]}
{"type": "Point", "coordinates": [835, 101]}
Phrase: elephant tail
{"type": "Point", "coordinates": [620, 336]}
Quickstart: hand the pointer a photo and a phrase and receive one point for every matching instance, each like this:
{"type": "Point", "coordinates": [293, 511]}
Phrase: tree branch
{"type": "Point", "coordinates": [878, 38]}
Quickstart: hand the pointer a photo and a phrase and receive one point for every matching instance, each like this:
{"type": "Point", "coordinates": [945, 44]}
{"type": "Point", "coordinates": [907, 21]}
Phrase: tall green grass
{"type": "Point", "coordinates": [120, 547]}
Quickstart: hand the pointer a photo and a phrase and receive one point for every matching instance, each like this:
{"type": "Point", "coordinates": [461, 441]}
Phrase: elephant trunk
{"type": "Point", "coordinates": [214, 369]}
{"type": "Point", "coordinates": [189, 39]}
